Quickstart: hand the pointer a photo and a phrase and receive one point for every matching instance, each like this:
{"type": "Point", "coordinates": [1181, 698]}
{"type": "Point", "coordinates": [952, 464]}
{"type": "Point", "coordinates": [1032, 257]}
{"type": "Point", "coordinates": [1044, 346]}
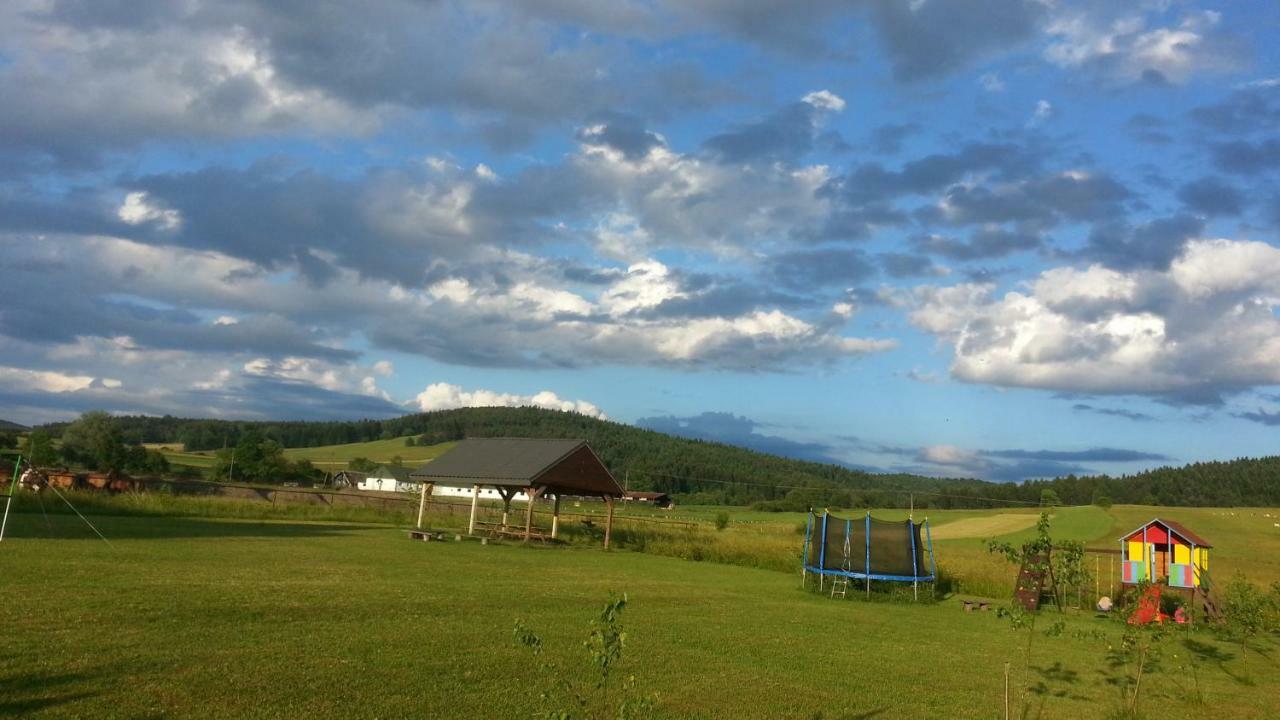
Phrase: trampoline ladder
{"type": "Point", "coordinates": [839, 586]}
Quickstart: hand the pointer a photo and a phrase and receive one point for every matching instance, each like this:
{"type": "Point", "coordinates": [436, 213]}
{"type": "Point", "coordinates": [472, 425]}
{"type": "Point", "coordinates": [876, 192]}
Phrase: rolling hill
{"type": "Point", "coordinates": [5, 425]}
{"type": "Point", "coordinates": [705, 472]}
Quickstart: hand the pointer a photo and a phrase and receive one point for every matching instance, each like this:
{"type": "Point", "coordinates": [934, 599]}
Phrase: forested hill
{"type": "Point", "coordinates": [707, 472]}
{"type": "Point", "coordinates": [6, 425]}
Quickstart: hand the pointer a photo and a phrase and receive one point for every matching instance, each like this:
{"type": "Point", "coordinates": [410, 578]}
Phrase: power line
{"type": "Point", "coordinates": [879, 490]}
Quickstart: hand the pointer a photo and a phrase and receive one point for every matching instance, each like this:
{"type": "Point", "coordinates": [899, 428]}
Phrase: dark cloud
{"type": "Point", "coordinates": [1102, 454]}
{"type": "Point", "coordinates": [1149, 129]}
{"type": "Point", "coordinates": [92, 307]}
{"type": "Point", "coordinates": [1152, 245]}
{"type": "Point", "coordinates": [1113, 412]}
{"type": "Point", "coordinates": [1212, 196]}
{"type": "Point", "coordinates": [872, 183]}
{"type": "Point", "coordinates": [804, 269]}
{"type": "Point", "coordinates": [726, 298]}
{"type": "Point", "coordinates": [1246, 110]}
{"type": "Point", "coordinates": [737, 430]}
{"type": "Point", "coordinates": [623, 133]}
{"type": "Point", "coordinates": [251, 399]}
{"type": "Point", "coordinates": [786, 135]}
{"type": "Point", "coordinates": [887, 139]}
{"type": "Point", "coordinates": [983, 244]}
{"type": "Point", "coordinates": [1044, 200]}
{"type": "Point", "coordinates": [904, 265]}
{"type": "Point", "coordinates": [1243, 157]}
{"type": "Point", "coordinates": [933, 39]}
{"type": "Point", "coordinates": [1270, 419]}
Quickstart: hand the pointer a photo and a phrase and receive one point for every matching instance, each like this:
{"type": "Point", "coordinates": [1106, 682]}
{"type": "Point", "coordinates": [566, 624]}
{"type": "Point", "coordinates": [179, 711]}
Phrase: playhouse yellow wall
{"type": "Point", "coordinates": [1181, 554]}
{"type": "Point", "coordinates": [1136, 551]}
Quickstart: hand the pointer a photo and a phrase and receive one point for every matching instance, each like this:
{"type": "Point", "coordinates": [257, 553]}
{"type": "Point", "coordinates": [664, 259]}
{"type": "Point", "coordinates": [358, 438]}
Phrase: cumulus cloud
{"type": "Point", "coordinates": [1128, 49]}
{"type": "Point", "coordinates": [1204, 327]}
{"type": "Point", "coordinates": [443, 396]}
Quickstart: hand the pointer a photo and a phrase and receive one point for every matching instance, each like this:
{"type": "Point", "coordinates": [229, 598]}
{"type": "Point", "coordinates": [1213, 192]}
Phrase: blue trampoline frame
{"type": "Point", "coordinates": [854, 574]}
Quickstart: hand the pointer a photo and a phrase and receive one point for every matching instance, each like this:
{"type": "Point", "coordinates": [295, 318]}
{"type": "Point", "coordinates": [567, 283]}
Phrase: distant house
{"type": "Point", "coordinates": [348, 479]}
{"type": "Point", "coordinates": [388, 479]}
{"type": "Point", "coordinates": [657, 499]}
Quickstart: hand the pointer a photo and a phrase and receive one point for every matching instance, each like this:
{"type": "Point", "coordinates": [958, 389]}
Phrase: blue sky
{"type": "Point", "coordinates": [991, 238]}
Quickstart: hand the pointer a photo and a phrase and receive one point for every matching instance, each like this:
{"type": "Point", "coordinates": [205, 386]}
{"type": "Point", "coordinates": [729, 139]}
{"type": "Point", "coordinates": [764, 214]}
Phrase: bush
{"type": "Point", "coordinates": [1247, 609]}
{"type": "Point", "coordinates": [722, 520]}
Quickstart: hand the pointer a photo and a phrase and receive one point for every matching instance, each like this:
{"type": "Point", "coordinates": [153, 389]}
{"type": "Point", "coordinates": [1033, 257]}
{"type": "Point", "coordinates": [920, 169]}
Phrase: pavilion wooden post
{"type": "Point", "coordinates": [608, 523]}
{"type": "Point", "coordinates": [555, 518]}
{"type": "Point", "coordinates": [508, 494]}
{"type": "Point", "coordinates": [475, 500]}
{"type": "Point", "coordinates": [533, 494]}
{"type": "Point", "coordinates": [422, 504]}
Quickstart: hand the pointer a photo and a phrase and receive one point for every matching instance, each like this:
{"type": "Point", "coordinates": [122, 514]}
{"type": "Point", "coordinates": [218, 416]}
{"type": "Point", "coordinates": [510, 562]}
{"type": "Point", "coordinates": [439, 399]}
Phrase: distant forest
{"type": "Point", "coordinates": [713, 473]}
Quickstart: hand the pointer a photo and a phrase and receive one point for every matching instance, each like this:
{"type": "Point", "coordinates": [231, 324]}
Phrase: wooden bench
{"type": "Point", "coordinates": [970, 606]}
{"type": "Point", "coordinates": [426, 535]}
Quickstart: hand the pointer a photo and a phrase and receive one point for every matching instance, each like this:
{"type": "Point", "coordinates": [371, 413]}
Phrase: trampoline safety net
{"type": "Point", "coordinates": [865, 547]}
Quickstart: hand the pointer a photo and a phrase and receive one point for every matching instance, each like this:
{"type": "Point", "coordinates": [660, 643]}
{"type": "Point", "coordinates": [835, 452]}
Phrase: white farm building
{"type": "Point", "coordinates": [388, 479]}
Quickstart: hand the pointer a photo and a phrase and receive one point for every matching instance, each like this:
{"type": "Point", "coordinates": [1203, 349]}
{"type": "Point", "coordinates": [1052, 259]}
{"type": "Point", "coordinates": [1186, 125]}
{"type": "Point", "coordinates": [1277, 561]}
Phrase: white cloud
{"type": "Point", "coordinates": [444, 396]}
{"type": "Point", "coordinates": [1126, 50]}
{"type": "Point", "coordinates": [1043, 111]}
{"type": "Point", "coordinates": [136, 209]}
{"type": "Point", "coordinates": [825, 100]}
{"type": "Point", "coordinates": [1206, 326]}
{"type": "Point", "coordinates": [44, 380]}
{"type": "Point", "coordinates": [991, 83]}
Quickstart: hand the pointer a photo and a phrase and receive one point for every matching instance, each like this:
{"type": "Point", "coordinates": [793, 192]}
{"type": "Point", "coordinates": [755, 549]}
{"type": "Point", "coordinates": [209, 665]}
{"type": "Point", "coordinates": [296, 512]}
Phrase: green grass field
{"type": "Point", "coordinates": [226, 618]}
{"type": "Point", "coordinates": [329, 457]}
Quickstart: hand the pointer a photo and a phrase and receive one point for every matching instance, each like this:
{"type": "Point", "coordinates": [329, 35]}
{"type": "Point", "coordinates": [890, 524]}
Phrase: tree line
{"type": "Point", "coordinates": [703, 472]}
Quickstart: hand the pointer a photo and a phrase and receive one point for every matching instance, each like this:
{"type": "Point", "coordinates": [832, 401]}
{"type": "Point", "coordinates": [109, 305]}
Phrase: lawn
{"type": "Point", "coordinates": [216, 618]}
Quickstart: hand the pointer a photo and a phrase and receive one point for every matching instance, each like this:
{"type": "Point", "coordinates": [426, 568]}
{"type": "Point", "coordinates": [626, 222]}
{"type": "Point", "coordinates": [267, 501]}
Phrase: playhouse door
{"type": "Point", "coordinates": [1162, 563]}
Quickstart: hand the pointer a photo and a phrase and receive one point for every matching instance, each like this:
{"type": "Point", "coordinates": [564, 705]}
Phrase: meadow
{"type": "Point", "coordinates": [189, 614]}
{"type": "Point", "coordinates": [327, 457]}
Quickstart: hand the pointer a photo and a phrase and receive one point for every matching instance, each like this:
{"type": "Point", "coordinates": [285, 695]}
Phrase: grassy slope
{"type": "Point", "coordinates": [222, 619]}
{"type": "Point", "coordinates": [333, 457]}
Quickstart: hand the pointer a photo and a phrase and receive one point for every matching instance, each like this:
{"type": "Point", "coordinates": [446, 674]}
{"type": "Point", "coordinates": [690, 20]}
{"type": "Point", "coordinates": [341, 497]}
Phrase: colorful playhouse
{"type": "Point", "coordinates": [1163, 551]}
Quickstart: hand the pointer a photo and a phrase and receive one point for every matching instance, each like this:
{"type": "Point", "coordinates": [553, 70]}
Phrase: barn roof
{"type": "Point", "coordinates": [565, 466]}
{"type": "Point", "coordinates": [1177, 528]}
{"type": "Point", "coordinates": [388, 471]}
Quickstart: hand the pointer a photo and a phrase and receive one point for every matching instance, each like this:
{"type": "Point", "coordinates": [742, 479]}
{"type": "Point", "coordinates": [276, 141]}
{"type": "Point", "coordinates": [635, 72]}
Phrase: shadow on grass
{"type": "Point", "coordinates": [859, 716]}
{"type": "Point", "coordinates": [25, 693]}
{"type": "Point", "coordinates": [1205, 651]}
{"type": "Point", "coordinates": [62, 527]}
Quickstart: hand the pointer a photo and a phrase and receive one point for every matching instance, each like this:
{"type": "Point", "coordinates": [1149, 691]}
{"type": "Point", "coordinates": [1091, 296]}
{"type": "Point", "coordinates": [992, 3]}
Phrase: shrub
{"type": "Point", "coordinates": [1246, 608]}
{"type": "Point", "coordinates": [722, 520]}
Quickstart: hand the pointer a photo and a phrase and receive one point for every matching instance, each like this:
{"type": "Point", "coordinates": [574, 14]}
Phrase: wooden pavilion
{"type": "Point", "coordinates": [536, 468]}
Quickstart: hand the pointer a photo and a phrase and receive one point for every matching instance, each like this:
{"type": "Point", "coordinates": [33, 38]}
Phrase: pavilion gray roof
{"type": "Point", "coordinates": [565, 466]}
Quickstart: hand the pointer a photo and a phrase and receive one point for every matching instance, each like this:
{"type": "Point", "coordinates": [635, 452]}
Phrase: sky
{"type": "Point", "coordinates": [982, 238]}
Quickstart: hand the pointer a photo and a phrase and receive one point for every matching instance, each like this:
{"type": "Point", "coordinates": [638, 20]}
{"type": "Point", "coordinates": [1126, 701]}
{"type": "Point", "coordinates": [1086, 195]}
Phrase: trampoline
{"type": "Point", "coordinates": [867, 549]}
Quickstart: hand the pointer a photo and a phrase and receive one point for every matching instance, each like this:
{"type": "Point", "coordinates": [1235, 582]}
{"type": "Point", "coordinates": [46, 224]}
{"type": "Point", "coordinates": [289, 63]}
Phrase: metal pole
{"type": "Point", "coordinates": [933, 565]}
{"type": "Point", "coordinates": [915, 568]}
{"type": "Point", "coordinates": [868, 563]}
{"type": "Point", "coordinates": [8, 501]}
{"type": "Point", "coordinates": [804, 552]}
